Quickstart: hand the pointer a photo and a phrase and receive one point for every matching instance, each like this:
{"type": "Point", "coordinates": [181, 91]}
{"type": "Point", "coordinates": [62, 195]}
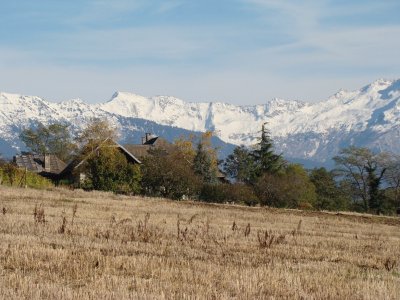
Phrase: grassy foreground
{"type": "Point", "coordinates": [64, 244]}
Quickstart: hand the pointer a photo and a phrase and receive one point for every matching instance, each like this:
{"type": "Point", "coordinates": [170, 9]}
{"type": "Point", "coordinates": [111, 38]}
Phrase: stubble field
{"type": "Point", "coordinates": [63, 244]}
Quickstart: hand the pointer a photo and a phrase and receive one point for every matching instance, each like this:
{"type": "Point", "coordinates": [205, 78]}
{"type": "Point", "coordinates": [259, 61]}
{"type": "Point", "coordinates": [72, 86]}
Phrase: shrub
{"type": "Point", "coordinates": [170, 176]}
{"type": "Point", "coordinates": [12, 176]}
{"type": "Point", "coordinates": [292, 188]}
{"type": "Point", "coordinates": [236, 193]}
{"type": "Point", "coordinates": [109, 170]}
{"type": "Point", "coordinates": [216, 193]}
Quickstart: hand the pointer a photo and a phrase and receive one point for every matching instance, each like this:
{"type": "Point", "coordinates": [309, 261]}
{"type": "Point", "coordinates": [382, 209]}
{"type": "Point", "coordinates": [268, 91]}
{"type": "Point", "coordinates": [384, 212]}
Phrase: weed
{"type": "Point", "coordinates": [234, 226]}
{"type": "Point", "coordinates": [39, 215]}
{"type": "Point", "coordinates": [269, 239]}
{"type": "Point", "coordinates": [178, 226]}
{"type": "Point", "coordinates": [247, 230]}
{"type": "Point", "coordinates": [74, 210]}
{"type": "Point", "coordinates": [296, 231]}
{"type": "Point", "coordinates": [390, 264]}
{"type": "Point", "coordinates": [63, 225]}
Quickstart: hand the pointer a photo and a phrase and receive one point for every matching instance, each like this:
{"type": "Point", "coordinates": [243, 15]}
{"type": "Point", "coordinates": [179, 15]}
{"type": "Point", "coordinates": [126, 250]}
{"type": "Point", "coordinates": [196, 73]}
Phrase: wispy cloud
{"type": "Point", "coordinates": [229, 50]}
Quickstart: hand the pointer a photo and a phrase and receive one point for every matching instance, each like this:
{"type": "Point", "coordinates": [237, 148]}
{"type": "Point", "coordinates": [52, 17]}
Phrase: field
{"type": "Point", "coordinates": [63, 244]}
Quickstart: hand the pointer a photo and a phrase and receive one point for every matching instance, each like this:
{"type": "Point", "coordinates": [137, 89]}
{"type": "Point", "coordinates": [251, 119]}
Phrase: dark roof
{"type": "Point", "coordinates": [142, 151]}
{"type": "Point", "coordinates": [151, 141]}
{"type": "Point", "coordinates": [36, 163]}
{"type": "Point", "coordinates": [128, 153]}
{"type": "Point", "coordinates": [138, 150]}
{"type": "Point", "coordinates": [220, 174]}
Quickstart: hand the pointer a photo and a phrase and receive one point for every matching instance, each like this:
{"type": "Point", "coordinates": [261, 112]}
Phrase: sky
{"type": "Point", "coordinates": [237, 51]}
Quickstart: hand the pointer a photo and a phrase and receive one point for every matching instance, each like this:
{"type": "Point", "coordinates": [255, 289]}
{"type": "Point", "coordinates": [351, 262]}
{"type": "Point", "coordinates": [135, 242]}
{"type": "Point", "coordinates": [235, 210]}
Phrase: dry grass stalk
{"type": "Point", "coordinates": [132, 248]}
{"type": "Point", "coordinates": [234, 226]}
{"type": "Point", "coordinates": [269, 239]}
{"type": "Point", "coordinates": [247, 230]}
{"type": "Point", "coordinates": [39, 215]}
{"type": "Point", "coordinates": [63, 225]}
{"type": "Point", "coordinates": [390, 263]}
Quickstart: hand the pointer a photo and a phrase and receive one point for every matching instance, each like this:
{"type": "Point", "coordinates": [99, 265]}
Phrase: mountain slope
{"type": "Point", "coordinates": [305, 132]}
{"type": "Point", "coordinates": [18, 112]}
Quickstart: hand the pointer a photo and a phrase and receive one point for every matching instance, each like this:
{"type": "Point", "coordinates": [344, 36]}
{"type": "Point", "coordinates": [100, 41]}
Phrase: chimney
{"type": "Point", "coordinates": [143, 140]}
{"type": "Point", "coordinates": [148, 136]}
{"type": "Point", "coordinates": [47, 162]}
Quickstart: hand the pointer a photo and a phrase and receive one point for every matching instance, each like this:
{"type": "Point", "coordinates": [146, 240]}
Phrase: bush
{"type": "Point", "coordinates": [292, 189]}
{"type": "Point", "coordinates": [12, 176]}
{"type": "Point", "coordinates": [330, 194]}
{"type": "Point", "coordinates": [109, 170]}
{"type": "Point", "coordinates": [236, 193]}
{"type": "Point", "coordinates": [170, 176]}
{"type": "Point", "coordinates": [216, 193]}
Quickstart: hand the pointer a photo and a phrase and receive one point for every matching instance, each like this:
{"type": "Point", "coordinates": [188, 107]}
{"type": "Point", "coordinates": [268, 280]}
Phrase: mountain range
{"type": "Point", "coordinates": [311, 133]}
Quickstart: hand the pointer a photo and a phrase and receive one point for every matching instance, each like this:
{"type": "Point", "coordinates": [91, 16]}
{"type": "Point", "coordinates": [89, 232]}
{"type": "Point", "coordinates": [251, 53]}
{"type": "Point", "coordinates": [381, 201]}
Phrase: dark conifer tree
{"type": "Point", "coordinates": [265, 159]}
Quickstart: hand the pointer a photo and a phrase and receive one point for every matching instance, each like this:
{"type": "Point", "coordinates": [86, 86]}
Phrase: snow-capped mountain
{"type": "Point", "coordinates": [302, 131]}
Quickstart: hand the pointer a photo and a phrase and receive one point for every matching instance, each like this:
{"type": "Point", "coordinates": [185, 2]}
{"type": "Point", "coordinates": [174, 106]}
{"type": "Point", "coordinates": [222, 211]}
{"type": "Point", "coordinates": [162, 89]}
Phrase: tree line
{"type": "Point", "coordinates": [362, 180]}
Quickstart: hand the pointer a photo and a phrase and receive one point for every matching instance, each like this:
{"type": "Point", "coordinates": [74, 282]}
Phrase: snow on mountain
{"type": "Point", "coordinates": [367, 117]}
{"type": "Point", "coordinates": [233, 124]}
{"type": "Point", "coordinates": [343, 111]}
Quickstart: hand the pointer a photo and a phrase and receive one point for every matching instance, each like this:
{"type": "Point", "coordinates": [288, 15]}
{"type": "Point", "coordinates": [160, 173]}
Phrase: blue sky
{"type": "Point", "coordinates": [237, 51]}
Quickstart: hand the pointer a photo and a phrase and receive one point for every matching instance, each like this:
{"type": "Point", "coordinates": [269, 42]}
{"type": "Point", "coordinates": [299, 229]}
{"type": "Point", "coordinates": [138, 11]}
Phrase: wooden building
{"type": "Point", "coordinates": [46, 165]}
{"type": "Point", "coordinates": [75, 172]}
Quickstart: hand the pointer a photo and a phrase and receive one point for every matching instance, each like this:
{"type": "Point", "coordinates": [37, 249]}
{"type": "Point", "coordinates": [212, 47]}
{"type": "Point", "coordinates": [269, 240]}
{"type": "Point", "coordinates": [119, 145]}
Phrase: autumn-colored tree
{"type": "Point", "coordinates": [96, 132]}
{"type": "Point", "coordinates": [186, 147]}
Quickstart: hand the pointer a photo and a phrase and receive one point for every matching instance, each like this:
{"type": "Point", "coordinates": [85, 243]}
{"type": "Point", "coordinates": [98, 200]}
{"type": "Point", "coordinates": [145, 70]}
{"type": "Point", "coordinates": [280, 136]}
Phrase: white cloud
{"type": "Point", "coordinates": [205, 62]}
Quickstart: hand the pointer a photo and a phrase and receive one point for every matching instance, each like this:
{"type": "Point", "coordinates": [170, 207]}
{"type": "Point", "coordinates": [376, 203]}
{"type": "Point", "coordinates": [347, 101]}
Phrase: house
{"type": "Point", "coordinates": [221, 176]}
{"type": "Point", "coordinates": [74, 172]}
{"type": "Point", "coordinates": [149, 143]}
{"type": "Point", "coordinates": [46, 165]}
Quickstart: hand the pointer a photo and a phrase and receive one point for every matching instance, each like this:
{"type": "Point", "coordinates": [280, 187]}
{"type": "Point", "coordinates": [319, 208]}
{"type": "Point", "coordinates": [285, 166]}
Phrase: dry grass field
{"type": "Point", "coordinates": [65, 244]}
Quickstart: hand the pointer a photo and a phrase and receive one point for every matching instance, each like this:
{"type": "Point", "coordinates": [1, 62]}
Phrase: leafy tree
{"type": "Point", "coordinates": [290, 188]}
{"type": "Point", "coordinates": [96, 132]}
{"type": "Point", "coordinates": [186, 148]}
{"type": "Point", "coordinates": [265, 159]}
{"type": "Point", "coordinates": [205, 162]}
{"type": "Point", "coordinates": [108, 169]}
{"type": "Point", "coordinates": [329, 195]}
{"type": "Point", "coordinates": [169, 175]}
{"type": "Point", "coordinates": [365, 170]}
{"type": "Point", "coordinates": [54, 139]}
{"type": "Point", "coordinates": [240, 165]}
{"type": "Point", "coordinates": [392, 178]}
{"type": "Point", "coordinates": [203, 167]}
{"type": "Point", "coordinates": [9, 172]}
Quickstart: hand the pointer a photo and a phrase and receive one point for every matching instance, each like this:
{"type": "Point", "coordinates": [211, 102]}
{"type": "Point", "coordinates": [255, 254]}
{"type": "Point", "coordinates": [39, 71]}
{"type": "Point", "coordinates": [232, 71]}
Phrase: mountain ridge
{"type": "Point", "coordinates": [367, 117]}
